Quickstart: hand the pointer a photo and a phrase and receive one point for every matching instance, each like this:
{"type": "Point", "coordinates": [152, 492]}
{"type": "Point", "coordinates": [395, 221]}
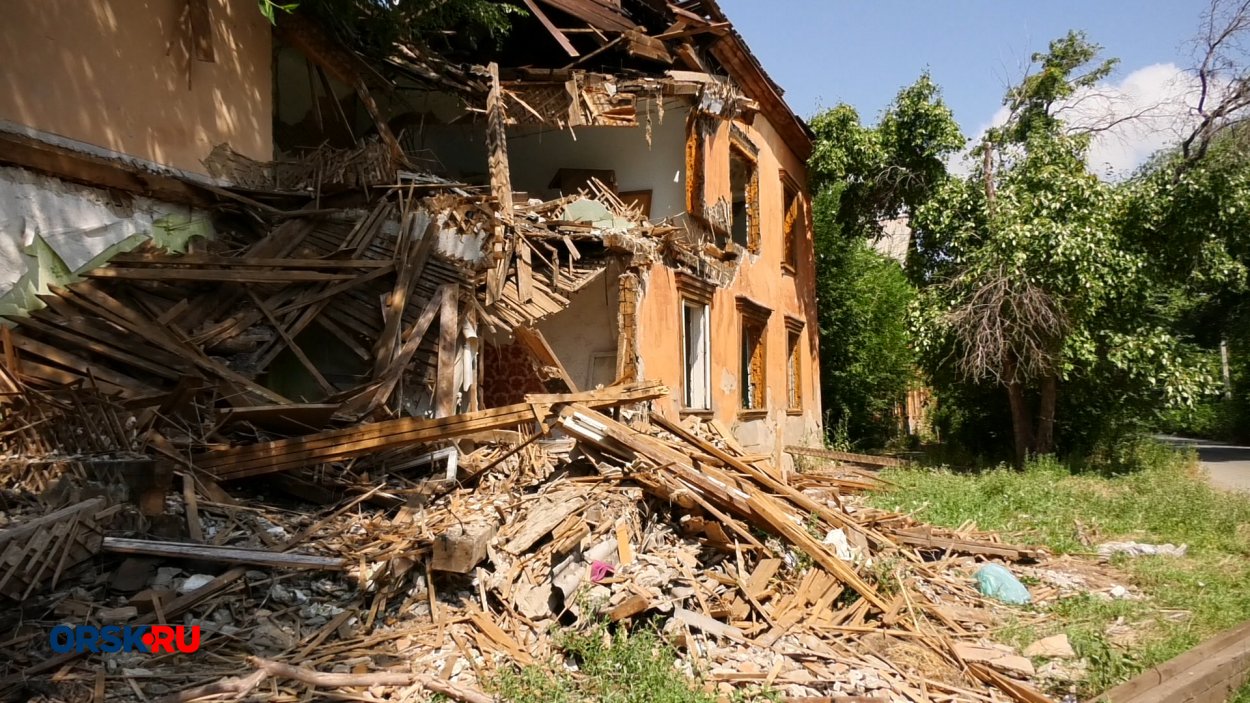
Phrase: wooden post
{"type": "Point", "coordinates": [449, 333]}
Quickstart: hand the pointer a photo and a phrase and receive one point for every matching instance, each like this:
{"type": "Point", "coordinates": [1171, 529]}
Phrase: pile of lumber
{"type": "Point", "coordinates": [570, 508]}
{"type": "Point", "coordinates": [181, 449]}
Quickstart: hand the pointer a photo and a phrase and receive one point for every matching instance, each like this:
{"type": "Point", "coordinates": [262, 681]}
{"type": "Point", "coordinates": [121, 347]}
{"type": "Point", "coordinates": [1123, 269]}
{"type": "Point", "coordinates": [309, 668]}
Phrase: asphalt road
{"type": "Point", "coordinates": [1228, 465]}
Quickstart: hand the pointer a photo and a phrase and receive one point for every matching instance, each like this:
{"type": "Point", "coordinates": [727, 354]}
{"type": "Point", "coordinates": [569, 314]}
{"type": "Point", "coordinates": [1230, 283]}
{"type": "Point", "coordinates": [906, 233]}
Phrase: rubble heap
{"type": "Point", "coordinates": [179, 448]}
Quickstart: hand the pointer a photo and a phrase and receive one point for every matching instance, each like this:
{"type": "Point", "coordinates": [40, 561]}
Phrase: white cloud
{"type": "Point", "coordinates": [1149, 109]}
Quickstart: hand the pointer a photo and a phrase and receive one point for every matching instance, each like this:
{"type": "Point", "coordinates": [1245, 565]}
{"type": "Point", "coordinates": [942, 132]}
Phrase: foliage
{"type": "Point", "coordinates": [1035, 283]}
{"type": "Point", "coordinates": [1152, 495]}
{"type": "Point", "coordinates": [613, 667]}
{"type": "Point", "coordinates": [374, 27]}
{"type": "Point", "coordinates": [866, 362]}
{"type": "Point", "coordinates": [270, 9]}
{"type": "Point", "coordinates": [864, 176]}
{"type": "Point", "coordinates": [885, 171]}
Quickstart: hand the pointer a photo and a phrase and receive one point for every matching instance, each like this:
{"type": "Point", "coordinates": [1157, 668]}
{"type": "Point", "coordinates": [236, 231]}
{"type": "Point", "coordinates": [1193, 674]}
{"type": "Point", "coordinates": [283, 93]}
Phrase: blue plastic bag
{"type": "Point", "coordinates": [997, 582]}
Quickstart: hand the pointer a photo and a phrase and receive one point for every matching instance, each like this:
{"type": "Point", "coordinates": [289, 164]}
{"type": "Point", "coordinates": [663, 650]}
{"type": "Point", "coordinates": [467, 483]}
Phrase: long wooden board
{"type": "Point", "coordinates": [341, 444]}
{"type": "Point", "coordinates": [870, 459]}
{"type": "Point", "coordinates": [228, 555]}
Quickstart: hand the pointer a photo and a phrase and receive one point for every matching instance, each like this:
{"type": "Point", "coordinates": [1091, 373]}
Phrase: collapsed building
{"type": "Point", "coordinates": [671, 242]}
{"type": "Point", "coordinates": [473, 337]}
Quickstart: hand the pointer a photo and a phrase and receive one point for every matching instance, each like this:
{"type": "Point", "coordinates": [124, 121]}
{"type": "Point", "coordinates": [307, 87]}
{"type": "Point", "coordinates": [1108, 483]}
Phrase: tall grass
{"type": "Point", "coordinates": [1163, 498]}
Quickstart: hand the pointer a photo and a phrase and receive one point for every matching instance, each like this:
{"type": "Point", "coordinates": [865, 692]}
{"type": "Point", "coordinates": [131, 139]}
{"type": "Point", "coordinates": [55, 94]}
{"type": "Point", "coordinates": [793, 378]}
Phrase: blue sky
{"type": "Point", "coordinates": [828, 51]}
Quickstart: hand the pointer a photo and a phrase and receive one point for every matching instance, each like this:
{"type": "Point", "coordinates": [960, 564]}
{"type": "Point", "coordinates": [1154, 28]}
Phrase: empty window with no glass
{"type": "Point", "coordinates": [696, 353]}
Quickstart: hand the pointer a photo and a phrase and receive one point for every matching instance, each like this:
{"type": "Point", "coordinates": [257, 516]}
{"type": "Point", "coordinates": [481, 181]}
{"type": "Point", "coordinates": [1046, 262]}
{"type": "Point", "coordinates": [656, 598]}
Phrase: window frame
{"type": "Point", "coordinates": [794, 223]}
{"type": "Point", "coordinates": [740, 143]}
{"type": "Point", "coordinates": [753, 387]}
{"type": "Point", "coordinates": [794, 366]}
{"type": "Point", "coordinates": [695, 293]}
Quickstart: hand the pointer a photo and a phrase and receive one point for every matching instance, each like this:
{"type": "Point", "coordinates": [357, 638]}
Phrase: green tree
{"type": "Point", "coordinates": [863, 176]}
{"type": "Point", "coordinates": [1033, 282]}
{"type": "Point", "coordinates": [866, 362]}
{"type": "Point", "coordinates": [374, 27]}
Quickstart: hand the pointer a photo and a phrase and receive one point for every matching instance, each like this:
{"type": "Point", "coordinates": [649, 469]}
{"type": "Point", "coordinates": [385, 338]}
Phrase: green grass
{"type": "Point", "coordinates": [595, 665]}
{"type": "Point", "coordinates": [1163, 500]}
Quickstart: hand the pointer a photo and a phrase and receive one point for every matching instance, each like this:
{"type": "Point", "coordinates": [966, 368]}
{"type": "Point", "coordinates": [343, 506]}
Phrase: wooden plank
{"type": "Point", "coordinates": [228, 555]}
{"type": "Point", "coordinates": [194, 529]}
{"type": "Point", "coordinates": [69, 361]}
{"type": "Point", "coordinates": [923, 538]}
{"type": "Point", "coordinates": [391, 375]}
{"type": "Point", "coordinates": [556, 34]}
{"type": "Point", "coordinates": [448, 354]}
{"type": "Point", "coordinates": [596, 13]}
{"type": "Point", "coordinates": [536, 343]}
{"type": "Point", "coordinates": [245, 262]}
{"type": "Point", "coordinates": [629, 607]}
{"type": "Point", "coordinates": [497, 145]}
{"type": "Point", "coordinates": [222, 275]}
{"type": "Point", "coordinates": [541, 520]}
{"type": "Point", "coordinates": [524, 271]}
{"type": "Point", "coordinates": [869, 459]}
{"type": "Point", "coordinates": [105, 350]}
{"type": "Point", "coordinates": [415, 256]}
{"type": "Point", "coordinates": [296, 419]}
{"type": "Point", "coordinates": [303, 359]}
{"type": "Point", "coordinates": [340, 444]}
{"type": "Point", "coordinates": [91, 298]}
{"type": "Point", "coordinates": [1208, 673]}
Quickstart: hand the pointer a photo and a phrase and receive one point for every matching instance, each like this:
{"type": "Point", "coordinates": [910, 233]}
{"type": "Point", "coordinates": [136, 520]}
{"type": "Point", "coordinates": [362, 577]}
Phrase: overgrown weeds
{"type": "Point", "coordinates": [1157, 496]}
{"type": "Point", "coordinates": [598, 663]}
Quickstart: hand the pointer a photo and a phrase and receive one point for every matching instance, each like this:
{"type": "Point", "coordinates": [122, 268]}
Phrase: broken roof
{"type": "Point", "coordinates": [640, 37]}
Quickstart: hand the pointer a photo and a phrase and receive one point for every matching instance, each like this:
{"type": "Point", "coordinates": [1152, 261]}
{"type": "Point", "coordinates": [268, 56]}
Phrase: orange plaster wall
{"type": "Point", "coordinates": [760, 278]}
{"type": "Point", "coordinates": [102, 72]}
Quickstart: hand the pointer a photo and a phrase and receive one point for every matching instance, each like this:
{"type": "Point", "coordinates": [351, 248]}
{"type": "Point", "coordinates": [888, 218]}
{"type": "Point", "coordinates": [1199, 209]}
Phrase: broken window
{"type": "Point", "coordinates": [754, 333]}
{"type": "Point", "coordinates": [794, 223]}
{"type": "Point", "coordinates": [696, 354]}
{"type": "Point", "coordinates": [744, 188]}
{"type": "Point", "coordinates": [696, 345]}
{"type": "Point", "coordinates": [794, 365]}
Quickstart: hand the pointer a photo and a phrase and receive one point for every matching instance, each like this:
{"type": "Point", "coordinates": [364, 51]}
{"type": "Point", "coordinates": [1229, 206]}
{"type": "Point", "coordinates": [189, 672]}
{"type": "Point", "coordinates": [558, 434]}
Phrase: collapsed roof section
{"type": "Point", "coordinates": [570, 63]}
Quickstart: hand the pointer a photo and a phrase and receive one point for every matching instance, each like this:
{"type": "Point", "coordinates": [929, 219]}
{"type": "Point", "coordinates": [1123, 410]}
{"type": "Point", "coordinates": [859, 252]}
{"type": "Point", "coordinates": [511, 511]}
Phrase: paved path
{"type": "Point", "coordinates": [1227, 464]}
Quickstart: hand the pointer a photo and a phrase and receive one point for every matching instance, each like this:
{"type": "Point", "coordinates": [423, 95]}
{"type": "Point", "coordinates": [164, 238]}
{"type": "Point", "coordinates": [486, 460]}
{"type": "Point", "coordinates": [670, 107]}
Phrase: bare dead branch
{"type": "Point", "coordinates": [1008, 330]}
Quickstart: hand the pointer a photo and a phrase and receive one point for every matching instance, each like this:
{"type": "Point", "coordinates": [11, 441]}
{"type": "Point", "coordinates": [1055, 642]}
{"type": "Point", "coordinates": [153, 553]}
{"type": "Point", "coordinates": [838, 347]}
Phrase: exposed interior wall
{"type": "Point", "coordinates": [583, 336]}
{"type": "Point", "coordinates": [116, 74]}
{"type": "Point", "coordinates": [535, 154]}
{"type": "Point", "coordinates": [50, 230]}
{"type": "Point", "coordinates": [760, 278]}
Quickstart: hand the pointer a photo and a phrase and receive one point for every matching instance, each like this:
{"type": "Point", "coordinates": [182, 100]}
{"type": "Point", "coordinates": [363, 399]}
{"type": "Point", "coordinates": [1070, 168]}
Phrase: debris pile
{"type": "Point", "coordinates": [638, 520]}
{"type": "Point", "coordinates": [339, 509]}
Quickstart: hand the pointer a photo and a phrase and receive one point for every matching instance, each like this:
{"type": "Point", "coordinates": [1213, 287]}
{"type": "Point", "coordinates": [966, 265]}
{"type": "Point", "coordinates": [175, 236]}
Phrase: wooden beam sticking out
{"type": "Point", "coordinates": [228, 555]}
{"type": "Point", "coordinates": [556, 34]}
{"type": "Point", "coordinates": [340, 444]}
{"type": "Point", "coordinates": [202, 31]}
{"type": "Point", "coordinates": [497, 145]}
{"type": "Point", "coordinates": [536, 343]}
{"type": "Point", "coordinates": [225, 275]}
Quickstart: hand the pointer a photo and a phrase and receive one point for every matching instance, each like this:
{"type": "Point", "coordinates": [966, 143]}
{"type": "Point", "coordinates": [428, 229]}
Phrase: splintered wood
{"type": "Point", "coordinates": [598, 510]}
{"type": "Point", "coordinates": [280, 437]}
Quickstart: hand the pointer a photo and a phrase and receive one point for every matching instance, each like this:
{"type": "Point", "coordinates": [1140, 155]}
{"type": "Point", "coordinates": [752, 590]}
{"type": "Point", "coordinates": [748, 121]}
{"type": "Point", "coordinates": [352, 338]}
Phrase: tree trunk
{"type": "Point", "coordinates": [1044, 440]}
{"type": "Point", "coordinates": [1021, 423]}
